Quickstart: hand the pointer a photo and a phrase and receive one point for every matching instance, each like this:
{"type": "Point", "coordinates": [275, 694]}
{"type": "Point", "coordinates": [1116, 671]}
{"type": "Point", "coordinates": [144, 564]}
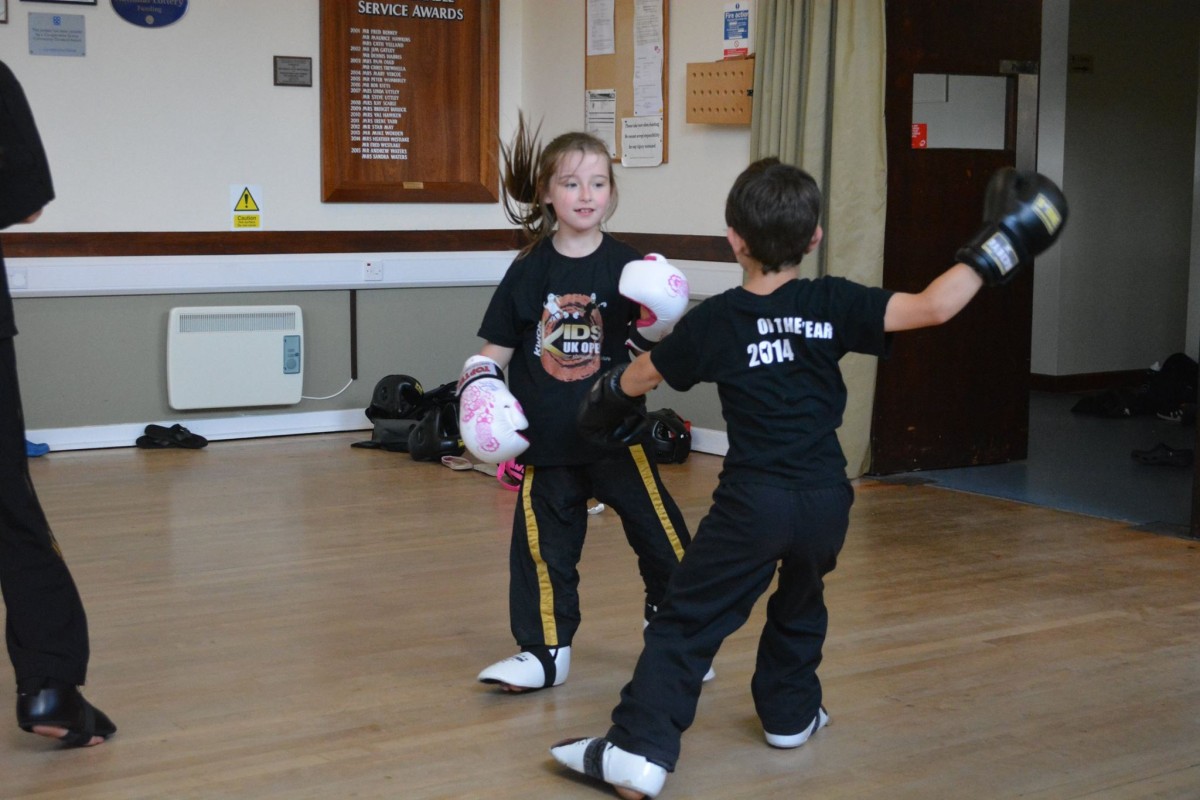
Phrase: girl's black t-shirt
{"type": "Point", "coordinates": [567, 324]}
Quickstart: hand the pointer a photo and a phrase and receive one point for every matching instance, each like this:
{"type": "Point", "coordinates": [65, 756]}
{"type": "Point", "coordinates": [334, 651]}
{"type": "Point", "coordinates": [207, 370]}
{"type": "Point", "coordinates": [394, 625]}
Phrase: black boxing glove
{"type": "Point", "coordinates": [1024, 214]}
{"type": "Point", "coordinates": [610, 417]}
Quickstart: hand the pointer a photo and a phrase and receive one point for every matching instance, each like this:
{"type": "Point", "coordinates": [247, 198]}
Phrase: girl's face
{"type": "Point", "coordinates": [580, 191]}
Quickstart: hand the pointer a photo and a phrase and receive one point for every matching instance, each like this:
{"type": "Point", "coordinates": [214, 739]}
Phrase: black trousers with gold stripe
{"type": "Point", "coordinates": [46, 629]}
{"type": "Point", "coordinates": [549, 527]}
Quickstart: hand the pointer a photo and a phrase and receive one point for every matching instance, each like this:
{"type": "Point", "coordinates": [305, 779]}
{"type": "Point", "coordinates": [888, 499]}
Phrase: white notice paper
{"type": "Point", "coordinates": [600, 111]}
{"type": "Point", "coordinates": [647, 58]}
{"type": "Point", "coordinates": [641, 141]}
{"type": "Point", "coordinates": [600, 40]}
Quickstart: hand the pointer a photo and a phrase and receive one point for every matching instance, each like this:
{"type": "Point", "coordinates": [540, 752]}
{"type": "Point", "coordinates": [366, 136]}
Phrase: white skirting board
{"type": "Point", "coordinates": [95, 437]}
{"type": "Point", "coordinates": [714, 443]}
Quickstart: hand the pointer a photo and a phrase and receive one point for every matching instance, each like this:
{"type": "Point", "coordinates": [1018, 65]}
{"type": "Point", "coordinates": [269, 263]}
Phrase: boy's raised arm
{"type": "Point", "coordinates": [1023, 214]}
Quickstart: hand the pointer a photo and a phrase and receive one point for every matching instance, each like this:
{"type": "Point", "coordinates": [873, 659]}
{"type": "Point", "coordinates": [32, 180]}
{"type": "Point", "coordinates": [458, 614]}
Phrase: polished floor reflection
{"type": "Point", "coordinates": [296, 618]}
{"type": "Point", "coordinates": [1083, 464]}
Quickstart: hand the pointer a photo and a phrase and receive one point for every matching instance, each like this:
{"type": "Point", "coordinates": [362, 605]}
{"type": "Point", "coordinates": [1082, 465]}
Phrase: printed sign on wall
{"type": "Point", "coordinates": [154, 14]}
{"type": "Point", "coordinates": [57, 35]}
{"type": "Point", "coordinates": [920, 135]}
{"type": "Point", "coordinates": [247, 211]}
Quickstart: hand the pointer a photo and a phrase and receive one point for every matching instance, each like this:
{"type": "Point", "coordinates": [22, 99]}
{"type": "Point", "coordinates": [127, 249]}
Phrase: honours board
{"type": "Point", "coordinates": [409, 96]}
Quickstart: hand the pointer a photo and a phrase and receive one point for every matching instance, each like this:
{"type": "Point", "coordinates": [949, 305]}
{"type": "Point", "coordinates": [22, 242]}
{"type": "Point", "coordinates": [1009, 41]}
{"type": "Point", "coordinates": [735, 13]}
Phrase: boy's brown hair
{"type": "Point", "coordinates": [775, 208]}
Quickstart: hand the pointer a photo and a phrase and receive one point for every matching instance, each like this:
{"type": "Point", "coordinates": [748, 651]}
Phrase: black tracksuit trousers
{"type": "Point", "coordinates": [46, 628]}
{"type": "Point", "coordinates": [549, 526]}
{"type": "Point", "coordinates": [750, 529]}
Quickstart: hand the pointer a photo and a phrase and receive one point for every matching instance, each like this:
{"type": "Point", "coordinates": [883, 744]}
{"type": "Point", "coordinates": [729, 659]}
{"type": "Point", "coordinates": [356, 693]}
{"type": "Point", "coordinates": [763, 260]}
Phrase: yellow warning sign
{"type": "Point", "coordinates": [246, 202]}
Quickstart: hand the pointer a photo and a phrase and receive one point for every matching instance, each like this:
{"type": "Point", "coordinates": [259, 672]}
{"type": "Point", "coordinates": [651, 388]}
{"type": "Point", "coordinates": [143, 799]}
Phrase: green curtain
{"type": "Point", "coordinates": [820, 69]}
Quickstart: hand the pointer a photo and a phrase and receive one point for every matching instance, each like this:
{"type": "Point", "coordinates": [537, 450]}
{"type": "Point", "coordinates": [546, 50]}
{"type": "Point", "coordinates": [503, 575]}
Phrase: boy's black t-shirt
{"type": "Point", "coordinates": [775, 362]}
{"type": "Point", "coordinates": [567, 324]}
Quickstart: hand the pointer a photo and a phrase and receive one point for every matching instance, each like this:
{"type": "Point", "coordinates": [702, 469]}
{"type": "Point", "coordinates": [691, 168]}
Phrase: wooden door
{"type": "Point", "coordinates": [958, 394]}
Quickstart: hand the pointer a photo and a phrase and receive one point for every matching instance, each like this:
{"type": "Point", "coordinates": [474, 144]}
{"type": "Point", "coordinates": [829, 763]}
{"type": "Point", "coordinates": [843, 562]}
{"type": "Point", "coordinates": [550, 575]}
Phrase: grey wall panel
{"type": "Point", "coordinates": [92, 361]}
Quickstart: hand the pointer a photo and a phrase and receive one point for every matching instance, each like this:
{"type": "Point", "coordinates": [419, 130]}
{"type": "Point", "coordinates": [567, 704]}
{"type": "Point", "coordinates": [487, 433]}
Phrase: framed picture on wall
{"type": "Point", "coordinates": [3, 12]}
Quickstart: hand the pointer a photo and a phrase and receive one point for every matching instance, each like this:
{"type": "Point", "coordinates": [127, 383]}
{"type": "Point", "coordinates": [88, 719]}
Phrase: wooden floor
{"type": "Point", "coordinates": [294, 618]}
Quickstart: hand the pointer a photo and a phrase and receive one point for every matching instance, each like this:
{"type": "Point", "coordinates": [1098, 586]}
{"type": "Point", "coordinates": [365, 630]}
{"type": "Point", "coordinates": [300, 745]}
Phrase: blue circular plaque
{"type": "Point", "coordinates": [154, 14]}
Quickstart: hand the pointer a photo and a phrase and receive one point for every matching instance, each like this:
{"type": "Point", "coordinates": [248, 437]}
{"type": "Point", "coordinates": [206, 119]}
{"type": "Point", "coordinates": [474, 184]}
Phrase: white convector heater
{"type": "Point", "coordinates": [229, 356]}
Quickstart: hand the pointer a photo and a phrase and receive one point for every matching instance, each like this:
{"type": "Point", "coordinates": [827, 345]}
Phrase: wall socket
{"type": "Point", "coordinates": [372, 271]}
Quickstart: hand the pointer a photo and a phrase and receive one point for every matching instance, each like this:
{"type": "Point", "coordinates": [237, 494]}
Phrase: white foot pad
{"type": "Point", "coordinates": [797, 739]}
{"type": "Point", "coordinates": [601, 759]}
{"type": "Point", "coordinates": [525, 671]}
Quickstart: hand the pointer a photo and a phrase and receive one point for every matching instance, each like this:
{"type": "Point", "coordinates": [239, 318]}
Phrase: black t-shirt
{"type": "Point", "coordinates": [567, 324]}
{"type": "Point", "coordinates": [775, 362]}
{"type": "Point", "coordinates": [25, 184]}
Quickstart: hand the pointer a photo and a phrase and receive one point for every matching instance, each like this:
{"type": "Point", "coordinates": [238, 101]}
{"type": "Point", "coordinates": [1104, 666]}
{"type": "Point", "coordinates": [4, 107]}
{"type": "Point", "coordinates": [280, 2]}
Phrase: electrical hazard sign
{"type": "Point", "coordinates": [247, 210]}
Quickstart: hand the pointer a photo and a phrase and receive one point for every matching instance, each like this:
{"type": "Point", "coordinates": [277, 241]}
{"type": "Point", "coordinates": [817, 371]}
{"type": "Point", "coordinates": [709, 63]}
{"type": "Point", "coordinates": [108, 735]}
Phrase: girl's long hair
{"type": "Point", "coordinates": [529, 169]}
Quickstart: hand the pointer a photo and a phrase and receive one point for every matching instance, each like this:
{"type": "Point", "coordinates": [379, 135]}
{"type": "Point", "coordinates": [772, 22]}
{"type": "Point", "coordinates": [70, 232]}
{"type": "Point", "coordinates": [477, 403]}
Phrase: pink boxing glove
{"type": "Point", "coordinates": [490, 419]}
{"type": "Point", "coordinates": [662, 290]}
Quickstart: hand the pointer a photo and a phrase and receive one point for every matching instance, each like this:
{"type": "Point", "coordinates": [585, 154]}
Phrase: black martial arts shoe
{"type": "Point", "coordinates": [55, 704]}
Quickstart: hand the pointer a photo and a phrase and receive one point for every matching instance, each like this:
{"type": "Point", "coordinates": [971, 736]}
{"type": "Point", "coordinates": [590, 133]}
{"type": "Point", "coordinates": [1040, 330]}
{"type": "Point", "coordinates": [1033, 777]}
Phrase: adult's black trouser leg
{"type": "Point", "coordinates": [46, 627]}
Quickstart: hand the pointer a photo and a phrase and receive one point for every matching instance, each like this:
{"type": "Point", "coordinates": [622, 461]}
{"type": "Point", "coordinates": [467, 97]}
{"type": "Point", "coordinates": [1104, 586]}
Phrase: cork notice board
{"type": "Point", "coordinates": [409, 101]}
{"type": "Point", "coordinates": [617, 71]}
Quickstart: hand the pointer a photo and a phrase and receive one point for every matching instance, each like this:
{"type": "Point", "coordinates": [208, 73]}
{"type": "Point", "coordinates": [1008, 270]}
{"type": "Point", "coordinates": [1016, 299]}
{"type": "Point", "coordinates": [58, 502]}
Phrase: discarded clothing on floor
{"type": "Point", "coordinates": [1163, 455]}
{"type": "Point", "coordinates": [1167, 391]}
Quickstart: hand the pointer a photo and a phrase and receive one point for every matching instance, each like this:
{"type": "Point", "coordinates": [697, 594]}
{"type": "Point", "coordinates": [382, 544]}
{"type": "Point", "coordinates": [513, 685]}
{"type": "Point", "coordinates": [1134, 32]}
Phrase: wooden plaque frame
{"type": "Point", "coordinates": [421, 93]}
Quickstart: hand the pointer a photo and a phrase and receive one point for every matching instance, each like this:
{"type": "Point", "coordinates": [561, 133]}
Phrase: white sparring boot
{"type": "Point", "coordinates": [526, 672]}
{"type": "Point", "coordinates": [787, 742]}
{"type": "Point", "coordinates": [632, 775]}
{"type": "Point", "coordinates": [708, 676]}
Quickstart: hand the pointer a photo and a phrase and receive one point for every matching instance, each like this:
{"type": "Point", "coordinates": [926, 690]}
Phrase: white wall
{"type": "Point", "coordinates": [150, 128]}
{"type": "Point", "coordinates": [1052, 109]}
{"type": "Point", "coordinates": [148, 131]}
{"type": "Point", "coordinates": [687, 194]}
{"type": "Point", "coordinates": [1129, 167]}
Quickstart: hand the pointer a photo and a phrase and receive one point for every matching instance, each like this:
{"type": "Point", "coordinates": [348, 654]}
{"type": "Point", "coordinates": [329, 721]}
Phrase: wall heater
{"type": "Point", "coordinates": [230, 356]}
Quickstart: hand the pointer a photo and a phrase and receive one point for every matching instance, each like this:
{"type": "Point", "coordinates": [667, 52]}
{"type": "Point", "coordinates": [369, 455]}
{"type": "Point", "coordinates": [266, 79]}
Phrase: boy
{"type": "Point", "coordinates": [772, 346]}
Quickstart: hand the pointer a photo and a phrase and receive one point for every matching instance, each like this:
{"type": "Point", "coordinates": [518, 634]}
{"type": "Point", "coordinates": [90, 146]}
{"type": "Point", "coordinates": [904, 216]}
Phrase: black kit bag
{"type": "Point", "coordinates": [672, 436]}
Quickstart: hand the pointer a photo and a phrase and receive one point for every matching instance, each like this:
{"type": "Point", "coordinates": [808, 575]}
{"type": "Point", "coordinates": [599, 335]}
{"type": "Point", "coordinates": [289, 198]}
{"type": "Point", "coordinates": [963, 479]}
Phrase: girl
{"type": "Point", "coordinates": [557, 321]}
